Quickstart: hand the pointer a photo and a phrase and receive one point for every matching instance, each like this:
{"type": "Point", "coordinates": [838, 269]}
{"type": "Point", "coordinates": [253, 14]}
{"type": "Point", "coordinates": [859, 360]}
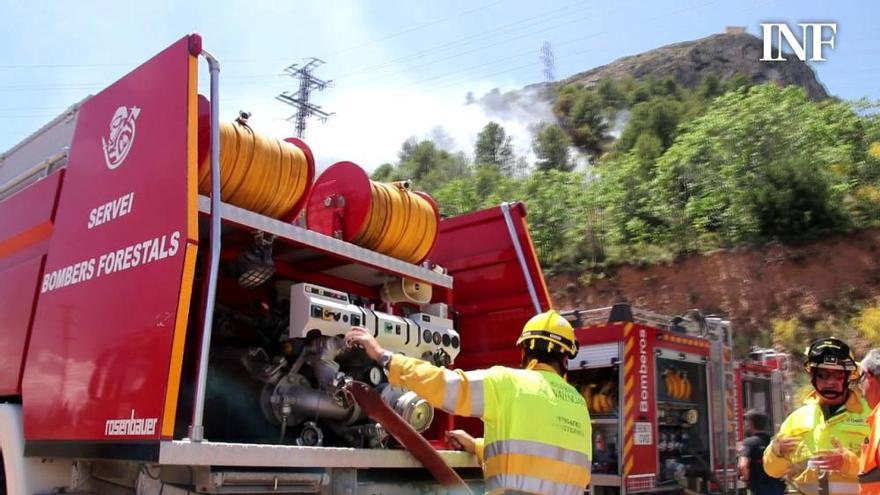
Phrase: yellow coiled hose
{"type": "Point", "coordinates": [401, 223]}
{"type": "Point", "coordinates": [258, 173]}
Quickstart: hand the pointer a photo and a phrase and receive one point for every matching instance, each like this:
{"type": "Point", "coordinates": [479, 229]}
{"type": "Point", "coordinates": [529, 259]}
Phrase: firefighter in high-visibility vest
{"type": "Point", "coordinates": [820, 442]}
{"type": "Point", "coordinates": [869, 462]}
{"type": "Point", "coordinates": [537, 433]}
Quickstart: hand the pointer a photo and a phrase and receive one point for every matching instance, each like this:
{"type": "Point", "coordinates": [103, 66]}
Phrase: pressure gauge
{"type": "Point", "coordinates": [375, 376]}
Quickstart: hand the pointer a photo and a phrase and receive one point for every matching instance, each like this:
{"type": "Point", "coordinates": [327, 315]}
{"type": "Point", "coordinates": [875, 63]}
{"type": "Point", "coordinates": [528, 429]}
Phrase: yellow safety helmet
{"type": "Point", "coordinates": [551, 327]}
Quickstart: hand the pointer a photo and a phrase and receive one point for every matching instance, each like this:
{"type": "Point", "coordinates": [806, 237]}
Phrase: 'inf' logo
{"type": "Point", "coordinates": [803, 50]}
{"type": "Point", "coordinates": [122, 130]}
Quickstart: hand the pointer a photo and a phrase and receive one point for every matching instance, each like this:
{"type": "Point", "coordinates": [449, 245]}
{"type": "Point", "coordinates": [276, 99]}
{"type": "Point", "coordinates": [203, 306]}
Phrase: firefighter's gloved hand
{"type": "Point", "coordinates": [362, 338]}
{"type": "Point", "coordinates": [461, 440]}
{"type": "Point", "coordinates": [784, 446]}
{"type": "Point", "coordinates": [829, 460]}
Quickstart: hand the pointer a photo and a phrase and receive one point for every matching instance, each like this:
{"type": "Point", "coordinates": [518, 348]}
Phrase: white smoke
{"type": "Point", "coordinates": [371, 123]}
{"type": "Point", "coordinates": [619, 123]}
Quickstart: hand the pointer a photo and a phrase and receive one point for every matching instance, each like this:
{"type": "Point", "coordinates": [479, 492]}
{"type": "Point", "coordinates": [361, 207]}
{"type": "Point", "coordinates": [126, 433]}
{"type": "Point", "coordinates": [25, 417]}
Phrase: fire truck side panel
{"type": "Point", "coordinates": [638, 424]}
{"type": "Point", "coordinates": [490, 296]}
{"type": "Point", "coordinates": [18, 286]}
{"type": "Point", "coordinates": [683, 344]}
{"type": "Point", "coordinates": [639, 405]}
{"type": "Point", "coordinates": [107, 337]}
{"type": "Point", "coordinates": [26, 219]}
{"type": "Point", "coordinates": [599, 334]}
{"type": "Point", "coordinates": [648, 353]}
{"type": "Point", "coordinates": [490, 293]}
{"type": "Point", "coordinates": [25, 227]}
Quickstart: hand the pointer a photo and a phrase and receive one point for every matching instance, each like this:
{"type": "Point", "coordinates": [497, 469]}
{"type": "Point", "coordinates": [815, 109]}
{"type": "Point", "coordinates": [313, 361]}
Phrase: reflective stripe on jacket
{"type": "Point", "coordinates": [869, 471]}
{"type": "Point", "coordinates": [845, 431]}
{"type": "Point", "coordinates": [537, 432]}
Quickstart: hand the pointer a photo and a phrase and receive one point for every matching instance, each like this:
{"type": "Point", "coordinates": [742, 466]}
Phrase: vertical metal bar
{"type": "Point", "coordinates": [505, 209]}
{"type": "Point", "coordinates": [710, 374]}
{"type": "Point", "coordinates": [196, 428]}
{"type": "Point", "coordinates": [824, 489]}
{"type": "Point", "coordinates": [722, 394]}
{"type": "Point", "coordinates": [733, 393]}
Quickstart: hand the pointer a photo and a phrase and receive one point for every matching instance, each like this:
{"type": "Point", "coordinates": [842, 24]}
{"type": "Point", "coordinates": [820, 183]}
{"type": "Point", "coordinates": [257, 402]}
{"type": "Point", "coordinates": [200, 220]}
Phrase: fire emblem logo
{"type": "Point", "coordinates": [122, 131]}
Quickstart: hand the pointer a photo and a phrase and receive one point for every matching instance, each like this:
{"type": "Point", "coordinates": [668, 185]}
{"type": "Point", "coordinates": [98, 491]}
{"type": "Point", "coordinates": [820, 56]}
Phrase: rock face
{"type": "Point", "coordinates": [723, 54]}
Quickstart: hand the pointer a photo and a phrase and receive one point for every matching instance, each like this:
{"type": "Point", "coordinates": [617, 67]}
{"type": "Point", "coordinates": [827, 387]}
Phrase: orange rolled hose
{"type": "Point", "coordinates": [259, 173]}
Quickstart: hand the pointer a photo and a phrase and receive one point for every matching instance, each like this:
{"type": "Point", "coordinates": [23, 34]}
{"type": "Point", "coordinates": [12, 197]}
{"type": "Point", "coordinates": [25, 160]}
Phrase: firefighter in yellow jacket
{"type": "Point", "coordinates": [826, 434]}
{"type": "Point", "coordinates": [536, 426]}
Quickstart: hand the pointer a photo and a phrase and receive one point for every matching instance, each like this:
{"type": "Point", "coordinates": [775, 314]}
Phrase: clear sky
{"type": "Point", "coordinates": [400, 68]}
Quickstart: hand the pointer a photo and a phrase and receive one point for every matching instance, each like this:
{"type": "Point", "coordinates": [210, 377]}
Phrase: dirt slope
{"type": "Point", "coordinates": [750, 286]}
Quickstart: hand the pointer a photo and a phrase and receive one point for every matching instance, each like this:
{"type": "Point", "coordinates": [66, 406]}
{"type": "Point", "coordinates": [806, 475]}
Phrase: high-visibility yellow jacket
{"type": "Point", "coordinates": [537, 432]}
{"type": "Point", "coordinates": [845, 431]}
{"type": "Point", "coordinates": [869, 470]}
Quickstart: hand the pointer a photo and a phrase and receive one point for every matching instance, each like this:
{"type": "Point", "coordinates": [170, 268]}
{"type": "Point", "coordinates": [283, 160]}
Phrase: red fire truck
{"type": "Point", "coordinates": [666, 398]}
{"type": "Point", "coordinates": [762, 385]}
{"type": "Point", "coordinates": [170, 321]}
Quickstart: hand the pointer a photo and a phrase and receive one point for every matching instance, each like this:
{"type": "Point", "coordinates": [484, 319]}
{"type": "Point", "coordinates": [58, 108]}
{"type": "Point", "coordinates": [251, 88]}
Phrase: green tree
{"type": "Point", "coordinates": [488, 187]}
{"type": "Point", "coordinates": [867, 322]}
{"type": "Point", "coordinates": [658, 116]}
{"type": "Point", "coordinates": [427, 165]}
{"type": "Point", "coordinates": [710, 87]}
{"type": "Point", "coordinates": [383, 173]}
{"type": "Point", "coordinates": [557, 211]}
{"type": "Point", "coordinates": [582, 113]}
{"type": "Point", "coordinates": [757, 166]}
{"type": "Point", "coordinates": [624, 195]}
{"type": "Point", "coordinates": [494, 147]}
{"type": "Point", "coordinates": [551, 145]}
{"type": "Point", "coordinates": [612, 92]}
{"type": "Point", "coordinates": [736, 82]}
{"type": "Point", "coordinates": [787, 334]}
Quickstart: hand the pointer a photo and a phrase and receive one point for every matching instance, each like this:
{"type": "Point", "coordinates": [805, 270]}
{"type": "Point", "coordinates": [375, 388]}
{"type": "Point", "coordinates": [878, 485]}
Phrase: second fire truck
{"type": "Point", "coordinates": [666, 397]}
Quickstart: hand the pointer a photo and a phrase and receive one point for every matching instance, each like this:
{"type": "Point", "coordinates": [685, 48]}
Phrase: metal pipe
{"type": "Point", "coordinates": [728, 330]}
{"type": "Point", "coordinates": [310, 402]}
{"type": "Point", "coordinates": [196, 428]}
{"type": "Point", "coordinates": [530, 284]}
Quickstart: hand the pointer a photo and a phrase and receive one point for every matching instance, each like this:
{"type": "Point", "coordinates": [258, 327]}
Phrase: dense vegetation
{"type": "Point", "coordinates": [670, 170]}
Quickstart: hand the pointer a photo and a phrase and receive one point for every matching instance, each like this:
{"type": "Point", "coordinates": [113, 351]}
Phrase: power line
{"type": "Point", "coordinates": [463, 42]}
{"type": "Point", "coordinates": [420, 26]}
{"type": "Point", "coordinates": [337, 52]}
{"type": "Point", "coordinates": [519, 56]}
{"type": "Point", "coordinates": [301, 98]}
{"type": "Point", "coordinates": [531, 21]}
{"type": "Point", "coordinates": [479, 48]}
{"type": "Point", "coordinates": [487, 63]}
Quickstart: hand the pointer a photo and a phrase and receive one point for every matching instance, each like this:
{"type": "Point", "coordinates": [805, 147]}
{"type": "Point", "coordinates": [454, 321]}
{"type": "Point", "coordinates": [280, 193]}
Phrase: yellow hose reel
{"type": "Point", "coordinates": [259, 173]}
{"type": "Point", "coordinates": [386, 217]}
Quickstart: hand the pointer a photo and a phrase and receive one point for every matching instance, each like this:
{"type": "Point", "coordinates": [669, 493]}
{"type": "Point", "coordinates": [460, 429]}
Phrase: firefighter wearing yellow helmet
{"type": "Point", "coordinates": [537, 433]}
{"type": "Point", "coordinates": [550, 330]}
{"type": "Point", "coordinates": [826, 434]}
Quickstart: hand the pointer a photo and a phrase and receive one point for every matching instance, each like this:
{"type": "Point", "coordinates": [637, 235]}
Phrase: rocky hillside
{"type": "Point", "coordinates": [722, 54]}
{"type": "Point", "coordinates": [750, 286]}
